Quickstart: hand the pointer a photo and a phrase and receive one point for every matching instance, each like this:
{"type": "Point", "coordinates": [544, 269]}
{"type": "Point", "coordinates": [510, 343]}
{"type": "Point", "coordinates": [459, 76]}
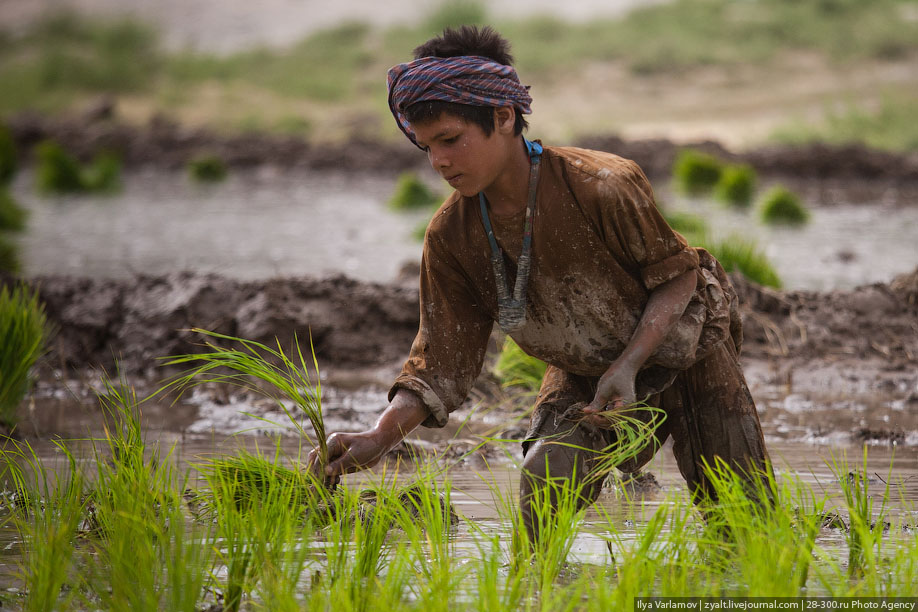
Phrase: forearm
{"type": "Point", "coordinates": [403, 414]}
{"type": "Point", "coordinates": [663, 310]}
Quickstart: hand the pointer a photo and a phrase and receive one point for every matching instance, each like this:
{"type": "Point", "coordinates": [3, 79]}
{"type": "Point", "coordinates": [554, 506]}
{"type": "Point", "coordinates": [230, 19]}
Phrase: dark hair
{"type": "Point", "coordinates": [455, 42]}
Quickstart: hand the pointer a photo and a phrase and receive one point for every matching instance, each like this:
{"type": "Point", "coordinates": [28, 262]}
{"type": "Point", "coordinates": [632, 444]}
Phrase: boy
{"type": "Point", "coordinates": [565, 249]}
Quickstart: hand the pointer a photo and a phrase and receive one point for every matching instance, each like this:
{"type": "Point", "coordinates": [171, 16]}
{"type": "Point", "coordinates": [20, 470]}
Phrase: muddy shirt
{"type": "Point", "coordinates": [599, 247]}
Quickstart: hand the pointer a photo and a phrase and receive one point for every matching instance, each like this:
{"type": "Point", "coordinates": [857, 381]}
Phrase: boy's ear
{"type": "Point", "coordinates": [504, 119]}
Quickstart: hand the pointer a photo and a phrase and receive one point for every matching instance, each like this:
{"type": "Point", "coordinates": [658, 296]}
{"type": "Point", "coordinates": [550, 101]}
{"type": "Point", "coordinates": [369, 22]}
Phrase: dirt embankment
{"type": "Point", "coordinates": [818, 168]}
{"type": "Point", "coordinates": [358, 325]}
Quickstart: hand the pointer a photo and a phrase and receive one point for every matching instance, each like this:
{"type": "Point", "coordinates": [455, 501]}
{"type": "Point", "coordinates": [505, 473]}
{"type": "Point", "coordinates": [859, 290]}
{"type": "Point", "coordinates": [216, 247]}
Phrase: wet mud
{"type": "Point", "coordinates": [818, 363]}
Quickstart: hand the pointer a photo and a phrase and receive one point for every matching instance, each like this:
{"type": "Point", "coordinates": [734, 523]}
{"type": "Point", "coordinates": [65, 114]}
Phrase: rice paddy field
{"type": "Point", "coordinates": [239, 174]}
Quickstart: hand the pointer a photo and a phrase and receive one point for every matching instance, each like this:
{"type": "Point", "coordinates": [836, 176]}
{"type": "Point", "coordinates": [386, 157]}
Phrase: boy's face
{"type": "Point", "coordinates": [462, 154]}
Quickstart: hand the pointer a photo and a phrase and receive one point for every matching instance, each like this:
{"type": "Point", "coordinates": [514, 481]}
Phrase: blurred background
{"type": "Point", "coordinates": [204, 105]}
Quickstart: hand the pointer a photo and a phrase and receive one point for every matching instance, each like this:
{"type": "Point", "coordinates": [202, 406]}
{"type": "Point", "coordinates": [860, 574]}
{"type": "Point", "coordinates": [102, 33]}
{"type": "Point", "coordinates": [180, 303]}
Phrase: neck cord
{"type": "Point", "coordinates": [511, 308]}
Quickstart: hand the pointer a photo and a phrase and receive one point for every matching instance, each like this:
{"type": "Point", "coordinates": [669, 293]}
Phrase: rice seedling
{"type": "Point", "coordinates": [60, 172]}
{"type": "Point", "coordinates": [411, 193]}
{"type": "Point", "coordinates": [103, 175]}
{"type": "Point", "coordinates": [144, 556]}
{"type": "Point", "coordinates": [736, 186]}
{"type": "Point", "coordinates": [865, 521]}
{"type": "Point", "coordinates": [8, 159]}
{"type": "Point", "coordinates": [47, 514]}
{"type": "Point", "coordinates": [737, 254]}
{"type": "Point", "coordinates": [782, 206]}
{"type": "Point", "coordinates": [23, 333]}
{"type": "Point", "coordinates": [207, 169]}
{"type": "Point", "coordinates": [57, 171]}
{"type": "Point", "coordinates": [514, 368]}
{"type": "Point", "coordinates": [10, 261]}
{"type": "Point", "coordinates": [258, 508]}
{"type": "Point", "coordinates": [12, 215]}
{"type": "Point", "coordinates": [693, 227]}
{"type": "Point", "coordinates": [696, 173]}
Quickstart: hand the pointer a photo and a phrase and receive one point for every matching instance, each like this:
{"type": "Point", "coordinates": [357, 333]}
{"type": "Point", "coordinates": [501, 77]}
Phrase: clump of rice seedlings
{"type": "Point", "coordinates": [47, 514]}
{"type": "Point", "coordinates": [207, 169]}
{"type": "Point", "coordinates": [634, 428]}
{"type": "Point", "coordinates": [253, 477]}
{"type": "Point", "coordinates": [696, 172]}
{"type": "Point", "coordinates": [258, 513]}
{"type": "Point", "coordinates": [103, 175]}
{"type": "Point", "coordinates": [411, 193]}
{"type": "Point", "coordinates": [782, 206]}
{"type": "Point", "coordinates": [23, 330]}
{"type": "Point", "coordinates": [9, 256]}
{"type": "Point", "coordinates": [865, 521]}
{"type": "Point", "coordinates": [12, 215]}
{"type": "Point", "coordinates": [752, 522]}
{"type": "Point", "coordinates": [60, 172]}
{"type": "Point", "coordinates": [737, 254]}
{"type": "Point", "coordinates": [736, 186]}
{"type": "Point", "coordinates": [8, 158]}
{"type": "Point", "coordinates": [692, 226]}
{"type": "Point", "coordinates": [57, 171]}
{"type": "Point", "coordinates": [285, 380]}
{"type": "Point", "coordinates": [144, 557]}
{"type": "Point", "coordinates": [514, 368]}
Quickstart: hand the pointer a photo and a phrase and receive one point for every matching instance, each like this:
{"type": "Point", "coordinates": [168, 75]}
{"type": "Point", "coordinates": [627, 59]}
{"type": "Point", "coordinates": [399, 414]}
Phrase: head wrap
{"type": "Point", "coordinates": [467, 79]}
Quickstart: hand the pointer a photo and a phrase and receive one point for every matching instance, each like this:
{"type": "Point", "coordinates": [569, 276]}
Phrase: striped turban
{"type": "Point", "coordinates": [467, 79]}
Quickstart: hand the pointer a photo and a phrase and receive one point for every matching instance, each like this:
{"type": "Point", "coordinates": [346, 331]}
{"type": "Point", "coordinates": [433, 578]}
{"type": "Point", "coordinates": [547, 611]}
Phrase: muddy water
{"type": "Point", "coordinates": [252, 226]}
{"type": "Point", "coordinates": [844, 245]}
{"type": "Point", "coordinates": [260, 224]}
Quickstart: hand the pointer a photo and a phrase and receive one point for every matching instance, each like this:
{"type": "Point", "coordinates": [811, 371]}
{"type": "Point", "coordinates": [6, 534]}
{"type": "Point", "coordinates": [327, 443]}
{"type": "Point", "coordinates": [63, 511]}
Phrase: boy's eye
{"type": "Point", "coordinates": [450, 140]}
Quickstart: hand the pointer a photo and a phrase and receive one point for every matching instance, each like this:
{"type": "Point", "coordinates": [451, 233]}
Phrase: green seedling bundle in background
{"type": "Point", "coordinates": [782, 206]}
{"type": "Point", "coordinates": [59, 172]}
{"type": "Point", "coordinates": [207, 169]}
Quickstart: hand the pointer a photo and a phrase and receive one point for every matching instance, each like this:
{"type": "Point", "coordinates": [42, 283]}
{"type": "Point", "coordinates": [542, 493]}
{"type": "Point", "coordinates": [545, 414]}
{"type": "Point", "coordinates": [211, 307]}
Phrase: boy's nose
{"type": "Point", "coordinates": [438, 161]}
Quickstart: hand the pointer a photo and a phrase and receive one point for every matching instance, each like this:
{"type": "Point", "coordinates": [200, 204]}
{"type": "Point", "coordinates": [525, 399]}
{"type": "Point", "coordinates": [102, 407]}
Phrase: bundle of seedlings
{"type": "Point", "coordinates": [251, 478]}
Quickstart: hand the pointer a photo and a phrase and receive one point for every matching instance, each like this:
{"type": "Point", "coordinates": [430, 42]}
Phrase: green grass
{"type": "Point", "coordinates": [411, 193]}
{"type": "Point", "coordinates": [891, 126]}
{"type": "Point", "coordinates": [207, 169]}
{"type": "Point", "coordinates": [12, 216]}
{"type": "Point", "coordinates": [783, 207]}
{"type": "Point", "coordinates": [65, 60]}
{"type": "Point", "coordinates": [65, 57]}
{"type": "Point", "coordinates": [23, 333]}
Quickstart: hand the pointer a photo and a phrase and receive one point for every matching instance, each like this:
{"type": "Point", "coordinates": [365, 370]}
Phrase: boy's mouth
{"type": "Point", "coordinates": [452, 179]}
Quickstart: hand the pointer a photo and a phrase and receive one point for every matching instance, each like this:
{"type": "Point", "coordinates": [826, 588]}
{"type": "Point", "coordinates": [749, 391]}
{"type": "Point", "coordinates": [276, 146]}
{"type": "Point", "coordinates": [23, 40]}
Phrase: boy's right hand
{"type": "Point", "coordinates": [350, 452]}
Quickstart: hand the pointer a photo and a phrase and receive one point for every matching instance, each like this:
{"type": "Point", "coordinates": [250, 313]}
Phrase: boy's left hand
{"type": "Point", "coordinates": [614, 390]}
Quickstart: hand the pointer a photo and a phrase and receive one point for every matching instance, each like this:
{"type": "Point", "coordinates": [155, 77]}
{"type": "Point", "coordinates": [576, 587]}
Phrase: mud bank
{"type": "Point", "coordinates": [820, 169]}
{"type": "Point", "coordinates": [356, 325]}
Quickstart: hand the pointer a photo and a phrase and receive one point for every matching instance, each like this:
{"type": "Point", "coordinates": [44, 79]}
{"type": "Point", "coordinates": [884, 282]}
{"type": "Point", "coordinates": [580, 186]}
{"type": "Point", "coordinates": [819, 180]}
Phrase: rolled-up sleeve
{"type": "Point", "coordinates": [631, 219]}
{"type": "Point", "coordinates": [449, 349]}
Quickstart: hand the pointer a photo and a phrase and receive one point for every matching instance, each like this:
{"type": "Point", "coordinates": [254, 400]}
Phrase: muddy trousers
{"type": "Point", "coordinates": [709, 413]}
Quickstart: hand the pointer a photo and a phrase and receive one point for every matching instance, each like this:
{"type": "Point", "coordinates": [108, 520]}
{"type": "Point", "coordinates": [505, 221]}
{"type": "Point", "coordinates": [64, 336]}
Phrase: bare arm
{"type": "Point", "coordinates": [663, 310]}
{"type": "Point", "coordinates": [351, 452]}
